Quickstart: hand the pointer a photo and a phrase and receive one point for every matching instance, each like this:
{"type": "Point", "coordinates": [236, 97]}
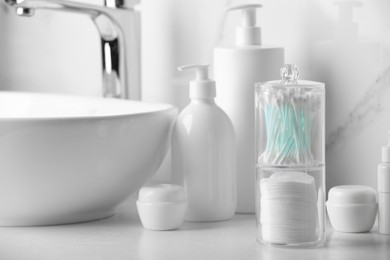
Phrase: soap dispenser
{"type": "Point", "coordinates": [203, 153]}
{"type": "Point", "coordinates": [237, 67]}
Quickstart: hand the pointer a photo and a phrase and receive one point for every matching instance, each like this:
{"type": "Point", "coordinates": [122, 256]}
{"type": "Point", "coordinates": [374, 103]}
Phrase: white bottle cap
{"type": "Point", "coordinates": [351, 195]}
{"type": "Point", "coordinates": [202, 86]}
{"type": "Point", "coordinates": [161, 193]}
{"type": "Point", "coordinates": [248, 33]}
{"type": "Point", "coordinates": [386, 151]}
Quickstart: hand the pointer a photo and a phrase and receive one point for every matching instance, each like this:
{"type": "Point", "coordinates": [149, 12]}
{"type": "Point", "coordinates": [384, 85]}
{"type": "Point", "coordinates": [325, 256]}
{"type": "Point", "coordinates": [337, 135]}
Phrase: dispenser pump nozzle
{"type": "Point", "coordinates": [347, 29]}
{"type": "Point", "coordinates": [248, 33]}
{"type": "Point", "coordinates": [202, 70]}
{"type": "Point", "coordinates": [202, 86]}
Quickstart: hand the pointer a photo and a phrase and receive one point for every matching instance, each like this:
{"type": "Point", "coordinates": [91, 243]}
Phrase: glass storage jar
{"type": "Point", "coordinates": [290, 168]}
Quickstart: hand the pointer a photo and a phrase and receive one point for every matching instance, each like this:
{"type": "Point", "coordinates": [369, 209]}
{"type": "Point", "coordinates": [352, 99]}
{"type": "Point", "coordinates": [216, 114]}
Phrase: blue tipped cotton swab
{"type": "Point", "coordinates": [289, 115]}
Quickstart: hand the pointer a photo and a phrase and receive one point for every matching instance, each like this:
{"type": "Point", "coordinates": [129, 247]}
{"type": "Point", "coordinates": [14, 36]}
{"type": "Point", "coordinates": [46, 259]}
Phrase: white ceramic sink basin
{"type": "Point", "coordinates": [67, 159]}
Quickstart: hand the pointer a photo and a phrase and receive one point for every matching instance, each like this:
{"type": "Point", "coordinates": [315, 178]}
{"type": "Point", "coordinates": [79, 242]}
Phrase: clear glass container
{"type": "Point", "coordinates": [290, 169]}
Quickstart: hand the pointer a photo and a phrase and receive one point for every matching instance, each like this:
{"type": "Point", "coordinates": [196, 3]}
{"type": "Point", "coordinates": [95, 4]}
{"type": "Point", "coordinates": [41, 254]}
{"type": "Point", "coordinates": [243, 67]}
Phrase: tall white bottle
{"type": "Point", "coordinates": [237, 67]}
{"type": "Point", "coordinates": [203, 153]}
{"type": "Point", "coordinates": [384, 191]}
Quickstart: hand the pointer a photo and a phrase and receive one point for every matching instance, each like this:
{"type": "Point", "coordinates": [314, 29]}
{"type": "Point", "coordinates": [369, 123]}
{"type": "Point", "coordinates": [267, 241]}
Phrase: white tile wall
{"type": "Point", "coordinates": [51, 51]}
{"type": "Point", "coordinates": [60, 53]}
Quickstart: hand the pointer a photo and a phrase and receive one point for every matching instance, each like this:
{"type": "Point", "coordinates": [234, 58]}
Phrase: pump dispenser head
{"type": "Point", "coordinates": [347, 29]}
{"type": "Point", "coordinates": [201, 86]}
{"type": "Point", "coordinates": [248, 33]}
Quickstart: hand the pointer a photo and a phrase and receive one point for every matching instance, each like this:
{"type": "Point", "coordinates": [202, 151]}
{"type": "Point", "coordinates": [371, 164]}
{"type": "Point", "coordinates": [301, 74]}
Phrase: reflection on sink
{"type": "Point", "coordinates": [67, 159]}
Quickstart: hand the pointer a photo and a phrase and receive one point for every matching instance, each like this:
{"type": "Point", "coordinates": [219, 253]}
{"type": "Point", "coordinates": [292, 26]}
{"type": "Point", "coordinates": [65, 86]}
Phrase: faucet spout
{"type": "Point", "coordinates": [118, 27]}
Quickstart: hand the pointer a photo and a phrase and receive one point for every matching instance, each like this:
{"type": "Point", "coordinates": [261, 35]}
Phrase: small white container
{"type": "Point", "coordinates": [352, 208]}
{"type": "Point", "coordinates": [162, 206]}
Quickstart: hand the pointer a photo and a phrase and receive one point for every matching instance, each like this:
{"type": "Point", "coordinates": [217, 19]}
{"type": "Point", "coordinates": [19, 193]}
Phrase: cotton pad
{"type": "Point", "coordinates": [289, 211]}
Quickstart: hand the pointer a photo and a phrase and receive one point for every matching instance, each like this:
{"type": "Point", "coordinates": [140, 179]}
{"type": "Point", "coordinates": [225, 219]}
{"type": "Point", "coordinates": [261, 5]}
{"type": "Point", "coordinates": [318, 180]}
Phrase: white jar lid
{"type": "Point", "coordinates": [161, 193]}
{"type": "Point", "coordinates": [352, 194]}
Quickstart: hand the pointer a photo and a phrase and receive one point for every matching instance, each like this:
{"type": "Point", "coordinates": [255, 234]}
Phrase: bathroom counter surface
{"type": "Point", "coordinates": [123, 237]}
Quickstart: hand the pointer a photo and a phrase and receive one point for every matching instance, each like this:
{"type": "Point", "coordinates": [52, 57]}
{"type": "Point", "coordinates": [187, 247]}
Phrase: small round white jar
{"type": "Point", "coordinates": [352, 208]}
{"type": "Point", "coordinates": [162, 206]}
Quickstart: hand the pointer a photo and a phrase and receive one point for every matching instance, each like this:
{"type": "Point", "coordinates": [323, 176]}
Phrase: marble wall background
{"type": "Point", "coordinates": [59, 52]}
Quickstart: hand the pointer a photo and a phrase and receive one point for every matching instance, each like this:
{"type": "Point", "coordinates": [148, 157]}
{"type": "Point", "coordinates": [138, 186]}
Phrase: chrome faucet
{"type": "Point", "coordinates": [118, 26]}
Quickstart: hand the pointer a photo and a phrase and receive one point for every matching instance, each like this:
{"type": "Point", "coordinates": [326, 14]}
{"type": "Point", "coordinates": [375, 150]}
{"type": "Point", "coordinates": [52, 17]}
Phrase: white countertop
{"type": "Point", "coordinates": [123, 237]}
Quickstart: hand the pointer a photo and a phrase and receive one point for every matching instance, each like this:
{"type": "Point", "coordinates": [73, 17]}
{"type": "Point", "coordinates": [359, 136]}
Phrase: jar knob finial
{"type": "Point", "coordinates": [289, 74]}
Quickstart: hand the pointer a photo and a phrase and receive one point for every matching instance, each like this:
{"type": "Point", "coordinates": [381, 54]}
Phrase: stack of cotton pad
{"type": "Point", "coordinates": [288, 208]}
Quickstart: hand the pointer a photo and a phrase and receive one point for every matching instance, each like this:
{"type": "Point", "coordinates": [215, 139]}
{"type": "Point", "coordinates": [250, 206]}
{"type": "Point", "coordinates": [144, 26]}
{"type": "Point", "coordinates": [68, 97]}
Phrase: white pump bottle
{"type": "Point", "coordinates": [237, 67]}
{"type": "Point", "coordinates": [203, 153]}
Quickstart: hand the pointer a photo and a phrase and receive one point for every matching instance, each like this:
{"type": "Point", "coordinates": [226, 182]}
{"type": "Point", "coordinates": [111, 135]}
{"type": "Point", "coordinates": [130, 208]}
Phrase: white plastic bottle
{"type": "Point", "coordinates": [237, 67]}
{"type": "Point", "coordinates": [203, 153]}
{"type": "Point", "coordinates": [384, 191]}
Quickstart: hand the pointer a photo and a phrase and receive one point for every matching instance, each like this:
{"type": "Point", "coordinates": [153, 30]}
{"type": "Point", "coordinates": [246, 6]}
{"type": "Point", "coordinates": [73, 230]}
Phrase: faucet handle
{"type": "Point", "coordinates": [12, 2]}
{"type": "Point", "coordinates": [120, 3]}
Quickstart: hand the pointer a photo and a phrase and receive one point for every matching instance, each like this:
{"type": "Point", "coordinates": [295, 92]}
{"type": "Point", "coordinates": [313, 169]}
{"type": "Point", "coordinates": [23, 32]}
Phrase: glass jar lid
{"type": "Point", "coordinates": [289, 75]}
